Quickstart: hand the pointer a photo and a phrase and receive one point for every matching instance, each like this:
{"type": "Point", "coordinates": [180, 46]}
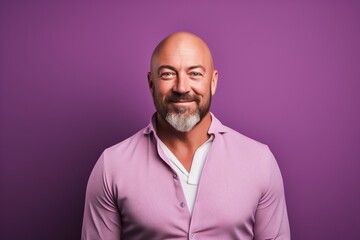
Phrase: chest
{"type": "Point", "coordinates": [153, 201]}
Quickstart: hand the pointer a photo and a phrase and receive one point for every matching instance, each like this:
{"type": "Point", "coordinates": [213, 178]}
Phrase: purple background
{"type": "Point", "coordinates": [73, 82]}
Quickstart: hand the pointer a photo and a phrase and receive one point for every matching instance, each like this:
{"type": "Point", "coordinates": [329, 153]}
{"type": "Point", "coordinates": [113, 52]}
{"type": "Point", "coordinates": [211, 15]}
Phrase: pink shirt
{"type": "Point", "coordinates": [134, 194]}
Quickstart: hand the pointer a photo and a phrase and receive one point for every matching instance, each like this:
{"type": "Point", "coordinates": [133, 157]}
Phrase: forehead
{"type": "Point", "coordinates": [183, 56]}
{"type": "Point", "coordinates": [182, 53]}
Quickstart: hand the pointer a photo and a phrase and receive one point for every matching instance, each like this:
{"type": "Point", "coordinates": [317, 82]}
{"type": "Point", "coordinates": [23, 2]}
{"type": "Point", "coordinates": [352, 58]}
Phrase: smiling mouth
{"type": "Point", "coordinates": [182, 102]}
{"type": "Point", "coordinates": [177, 97]}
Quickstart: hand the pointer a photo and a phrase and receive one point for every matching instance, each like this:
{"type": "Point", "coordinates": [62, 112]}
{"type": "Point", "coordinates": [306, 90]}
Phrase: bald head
{"type": "Point", "coordinates": [181, 43]}
{"type": "Point", "coordinates": [182, 80]}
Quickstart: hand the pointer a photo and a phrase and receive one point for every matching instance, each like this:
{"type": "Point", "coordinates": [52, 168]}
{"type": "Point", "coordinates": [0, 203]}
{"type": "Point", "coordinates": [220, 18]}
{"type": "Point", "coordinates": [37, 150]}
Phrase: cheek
{"type": "Point", "coordinates": [202, 88]}
{"type": "Point", "coordinates": [163, 89]}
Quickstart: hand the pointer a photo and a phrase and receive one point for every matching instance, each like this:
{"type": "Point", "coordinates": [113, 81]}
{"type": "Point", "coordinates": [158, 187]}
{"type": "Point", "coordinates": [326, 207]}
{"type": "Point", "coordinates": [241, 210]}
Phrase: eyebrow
{"type": "Point", "coordinates": [174, 69]}
{"type": "Point", "coordinates": [197, 66]}
{"type": "Point", "coordinates": [166, 66]}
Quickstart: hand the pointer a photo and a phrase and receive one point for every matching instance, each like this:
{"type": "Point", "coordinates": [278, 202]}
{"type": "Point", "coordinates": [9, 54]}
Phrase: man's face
{"type": "Point", "coordinates": [182, 82]}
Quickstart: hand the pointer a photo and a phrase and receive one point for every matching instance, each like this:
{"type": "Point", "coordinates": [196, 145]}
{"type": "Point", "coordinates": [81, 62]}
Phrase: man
{"type": "Point", "coordinates": [185, 176]}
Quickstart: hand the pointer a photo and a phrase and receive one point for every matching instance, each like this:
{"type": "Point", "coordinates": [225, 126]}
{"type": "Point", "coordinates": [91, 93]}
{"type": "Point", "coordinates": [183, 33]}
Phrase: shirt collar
{"type": "Point", "coordinates": [215, 127]}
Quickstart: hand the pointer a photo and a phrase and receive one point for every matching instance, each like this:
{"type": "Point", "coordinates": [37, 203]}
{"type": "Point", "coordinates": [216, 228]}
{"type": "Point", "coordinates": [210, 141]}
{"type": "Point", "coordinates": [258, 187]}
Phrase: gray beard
{"type": "Point", "coordinates": [183, 122]}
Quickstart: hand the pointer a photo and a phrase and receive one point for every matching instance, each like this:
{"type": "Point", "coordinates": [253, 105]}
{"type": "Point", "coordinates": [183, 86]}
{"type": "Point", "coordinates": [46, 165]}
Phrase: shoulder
{"type": "Point", "coordinates": [241, 142]}
{"type": "Point", "coordinates": [125, 153]}
{"type": "Point", "coordinates": [246, 151]}
{"type": "Point", "coordinates": [127, 145]}
{"type": "Point", "coordinates": [232, 137]}
{"type": "Point", "coordinates": [237, 143]}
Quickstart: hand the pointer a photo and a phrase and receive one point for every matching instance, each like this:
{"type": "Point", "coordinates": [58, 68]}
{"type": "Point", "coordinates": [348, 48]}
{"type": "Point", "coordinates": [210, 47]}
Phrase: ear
{"type": "Point", "coordinates": [214, 82]}
{"type": "Point", "coordinates": [150, 82]}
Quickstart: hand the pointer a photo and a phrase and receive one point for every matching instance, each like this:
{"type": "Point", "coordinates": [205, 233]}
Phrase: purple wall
{"type": "Point", "coordinates": [73, 82]}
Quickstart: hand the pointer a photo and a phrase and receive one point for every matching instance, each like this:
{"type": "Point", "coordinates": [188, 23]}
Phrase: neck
{"type": "Point", "coordinates": [191, 139]}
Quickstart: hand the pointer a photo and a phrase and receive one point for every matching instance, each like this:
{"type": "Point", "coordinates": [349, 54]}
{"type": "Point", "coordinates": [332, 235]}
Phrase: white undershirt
{"type": "Point", "coordinates": [189, 181]}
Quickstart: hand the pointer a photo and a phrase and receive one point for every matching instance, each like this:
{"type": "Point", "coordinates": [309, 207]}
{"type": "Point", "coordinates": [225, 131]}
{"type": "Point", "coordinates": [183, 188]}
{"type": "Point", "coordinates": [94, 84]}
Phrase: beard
{"type": "Point", "coordinates": [181, 122]}
{"type": "Point", "coordinates": [183, 119]}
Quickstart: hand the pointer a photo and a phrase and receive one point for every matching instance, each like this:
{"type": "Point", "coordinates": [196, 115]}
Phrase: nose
{"type": "Point", "coordinates": [182, 84]}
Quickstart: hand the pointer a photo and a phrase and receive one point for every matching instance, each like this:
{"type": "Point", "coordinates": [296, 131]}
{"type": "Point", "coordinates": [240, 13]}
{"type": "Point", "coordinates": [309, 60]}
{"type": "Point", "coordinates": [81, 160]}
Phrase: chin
{"type": "Point", "coordinates": [183, 122]}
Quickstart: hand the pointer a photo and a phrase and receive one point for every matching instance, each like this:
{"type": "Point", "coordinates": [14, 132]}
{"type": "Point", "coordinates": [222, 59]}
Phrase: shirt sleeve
{"type": "Point", "coordinates": [101, 216]}
{"type": "Point", "coordinates": [271, 219]}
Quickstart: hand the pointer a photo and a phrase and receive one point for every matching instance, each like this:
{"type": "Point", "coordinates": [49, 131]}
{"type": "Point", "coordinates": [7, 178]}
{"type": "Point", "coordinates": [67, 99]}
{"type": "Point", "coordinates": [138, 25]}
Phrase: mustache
{"type": "Point", "coordinates": [177, 97]}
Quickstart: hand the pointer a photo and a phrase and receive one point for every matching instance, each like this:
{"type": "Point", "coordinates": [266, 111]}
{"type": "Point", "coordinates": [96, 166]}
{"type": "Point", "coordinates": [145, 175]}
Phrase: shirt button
{"type": "Point", "coordinates": [174, 176]}
{"type": "Point", "coordinates": [192, 236]}
{"type": "Point", "coordinates": [182, 204]}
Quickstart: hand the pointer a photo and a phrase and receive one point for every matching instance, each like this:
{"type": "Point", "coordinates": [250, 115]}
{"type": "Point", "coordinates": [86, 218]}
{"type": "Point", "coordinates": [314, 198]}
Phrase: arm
{"type": "Point", "coordinates": [101, 216]}
{"type": "Point", "coordinates": [271, 220]}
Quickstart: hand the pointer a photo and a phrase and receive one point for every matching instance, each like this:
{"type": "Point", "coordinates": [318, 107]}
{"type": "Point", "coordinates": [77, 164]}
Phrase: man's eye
{"type": "Point", "coordinates": [167, 75]}
{"type": "Point", "coordinates": [195, 74]}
